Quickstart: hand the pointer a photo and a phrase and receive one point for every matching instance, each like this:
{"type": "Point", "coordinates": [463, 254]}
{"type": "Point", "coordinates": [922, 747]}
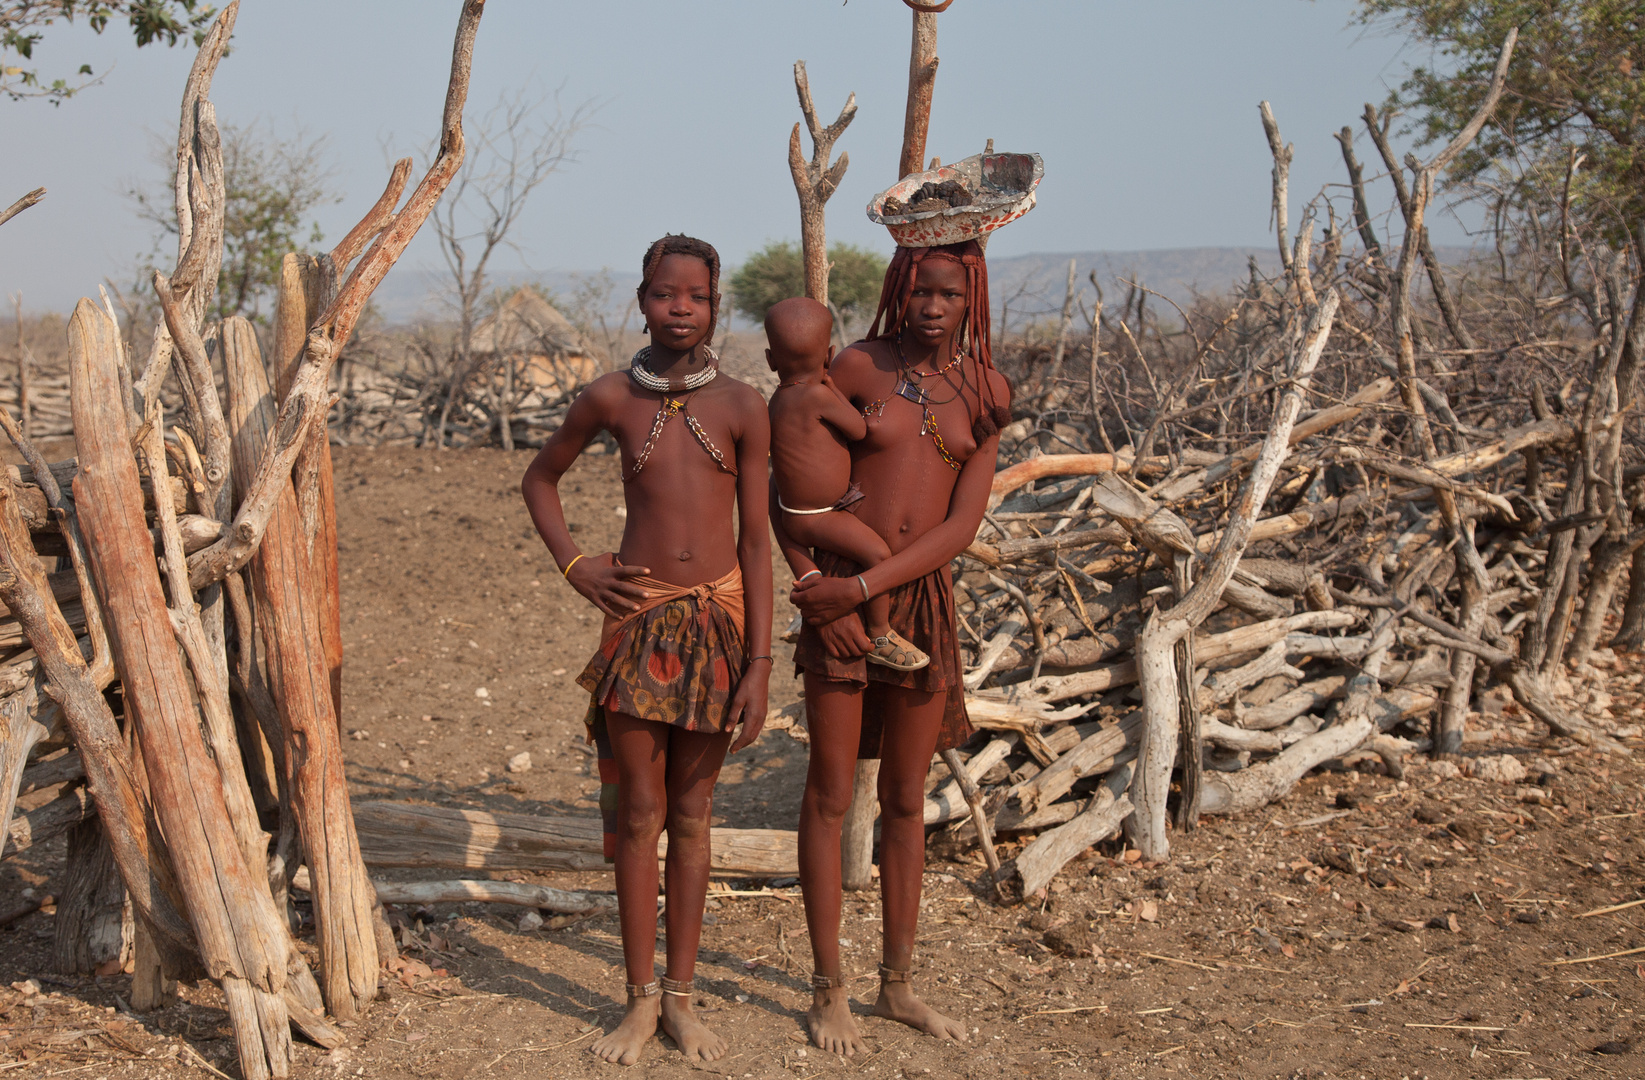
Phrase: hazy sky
{"type": "Point", "coordinates": [1146, 114]}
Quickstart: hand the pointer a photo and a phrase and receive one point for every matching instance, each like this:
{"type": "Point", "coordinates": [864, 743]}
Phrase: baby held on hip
{"type": "Point", "coordinates": [812, 424]}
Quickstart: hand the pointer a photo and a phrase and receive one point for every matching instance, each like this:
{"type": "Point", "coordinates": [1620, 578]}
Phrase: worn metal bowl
{"type": "Point", "coordinates": [1002, 190]}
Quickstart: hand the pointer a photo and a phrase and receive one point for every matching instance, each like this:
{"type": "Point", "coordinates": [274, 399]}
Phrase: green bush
{"type": "Point", "coordinates": [777, 273]}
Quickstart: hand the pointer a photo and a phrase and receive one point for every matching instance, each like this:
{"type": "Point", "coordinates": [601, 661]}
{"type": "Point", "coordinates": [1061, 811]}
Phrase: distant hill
{"type": "Point", "coordinates": [1029, 284]}
{"type": "Point", "coordinates": [1036, 282]}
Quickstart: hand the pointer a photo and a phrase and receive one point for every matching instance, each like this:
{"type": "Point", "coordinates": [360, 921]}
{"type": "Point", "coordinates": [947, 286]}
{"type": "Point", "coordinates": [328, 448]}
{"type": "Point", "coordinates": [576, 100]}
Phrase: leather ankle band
{"type": "Point", "coordinates": [826, 982]}
{"type": "Point", "coordinates": [675, 987]}
{"type": "Point", "coordinates": [650, 989]}
{"type": "Point", "coordinates": [892, 975]}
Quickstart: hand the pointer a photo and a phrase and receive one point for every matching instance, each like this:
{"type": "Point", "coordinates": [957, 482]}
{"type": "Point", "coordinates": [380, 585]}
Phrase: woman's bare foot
{"type": "Point", "coordinates": [897, 1002]}
{"type": "Point", "coordinates": [623, 1046]}
{"type": "Point", "coordinates": [690, 1034]}
{"type": "Point", "coordinates": [833, 1028]}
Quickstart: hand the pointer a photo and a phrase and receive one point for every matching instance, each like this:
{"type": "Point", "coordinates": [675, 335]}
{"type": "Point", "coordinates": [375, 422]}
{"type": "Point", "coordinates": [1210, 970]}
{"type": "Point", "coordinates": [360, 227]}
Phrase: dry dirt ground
{"type": "Point", "coordinates": [1362, 928]}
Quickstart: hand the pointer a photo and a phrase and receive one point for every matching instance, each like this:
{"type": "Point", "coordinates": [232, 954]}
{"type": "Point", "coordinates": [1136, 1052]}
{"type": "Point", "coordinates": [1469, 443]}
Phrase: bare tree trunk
{"type": "Point", "coordinates": [1611, 560]}
{"type": "Point", "coordinates": [1631, 636]}
{"type": "Point", "coordinates": [1282, 152]}
{"type": "Point", "coordinates": [505, 422]}
{"type": "Point", "coordinates": [22, 368]}
{"type": "Point", "coordinates": [1052, 393]}
{"type": "Point", "coordinates": [1362, 212]}
{"type": "Point", "coordinates": [922, 84]}
{"type": "Point", "coordinates": [857, 834]}
{"type": "Point", "coordinates": [286, 594]}
{"type": "Point", "coordinates": [91, 933]}
{"type": "Point", "coordinates": [308, 400]}
{"type": "Point", "coordinates": [815, 182]}
{"type": "Point", "coordinates": [1156, 645]}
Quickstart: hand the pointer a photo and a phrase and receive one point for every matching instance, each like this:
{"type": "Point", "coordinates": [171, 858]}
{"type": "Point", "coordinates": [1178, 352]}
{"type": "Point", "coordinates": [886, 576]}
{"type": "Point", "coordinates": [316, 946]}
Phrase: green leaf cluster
{"type": "Point", "coordinates": [1576, 86]}
{"type": "Point", "coordinates": [271, 186]}
{"type": "Point", "coordinates": [23, 22]}
{"type": "Point", "coordinates": [777, 272]}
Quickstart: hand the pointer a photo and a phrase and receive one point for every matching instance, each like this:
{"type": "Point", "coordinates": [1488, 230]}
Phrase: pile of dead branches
{"type": "Point", "coordinates": [1311, 523]}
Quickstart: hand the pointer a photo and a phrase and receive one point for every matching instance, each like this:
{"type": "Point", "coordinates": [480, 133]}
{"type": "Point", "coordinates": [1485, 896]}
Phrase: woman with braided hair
{"type": "Point", "coordinates": [685, 652]}
{"type": "Point", "coordinates": [934, 403]}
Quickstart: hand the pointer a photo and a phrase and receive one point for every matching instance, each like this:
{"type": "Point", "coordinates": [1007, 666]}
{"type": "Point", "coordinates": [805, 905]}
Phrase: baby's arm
{"type": "Point", "coordinates": [797, 555]}
{"type": "Point", "coordinates": [837, 410]}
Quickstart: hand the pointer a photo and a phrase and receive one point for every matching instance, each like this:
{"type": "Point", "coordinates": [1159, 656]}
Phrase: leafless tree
{"type": "Point", "coordinates": [522, 141]}
{"type": "Point", "coordinates": [592, 306]}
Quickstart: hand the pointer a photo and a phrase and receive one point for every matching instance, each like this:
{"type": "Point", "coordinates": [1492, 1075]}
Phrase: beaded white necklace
{"type": "Point", "coordinates": [649, 380]}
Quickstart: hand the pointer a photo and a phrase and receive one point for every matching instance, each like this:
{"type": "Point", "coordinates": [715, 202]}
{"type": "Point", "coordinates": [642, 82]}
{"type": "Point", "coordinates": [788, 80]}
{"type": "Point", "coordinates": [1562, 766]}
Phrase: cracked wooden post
{"type": "Point", "coordinates": [304, 283]}
{"type": "Point", "coordinates": [857, 831]}
{"type": "Point", "coordinates": [241, 936]}
{"type": "Point", "coordinates": [289, 612]}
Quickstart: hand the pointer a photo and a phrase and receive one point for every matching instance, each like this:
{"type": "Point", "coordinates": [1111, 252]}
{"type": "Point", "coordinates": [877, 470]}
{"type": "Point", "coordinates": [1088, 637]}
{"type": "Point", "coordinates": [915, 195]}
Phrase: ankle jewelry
{"type": "Point", "coordinates": [650, 989]}
{"type": "Point", "coordinates": [826, 982]}
{"type": "Point", "coordinates": [676, 987]}
{"type": "Point", "coordinates": [892, 975]}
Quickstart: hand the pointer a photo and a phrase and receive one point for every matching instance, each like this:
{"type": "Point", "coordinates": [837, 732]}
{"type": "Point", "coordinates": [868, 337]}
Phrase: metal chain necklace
{"type": "Point", "coordinates": [649, 380]}
{"type": "Point", "coordinates": [917, 394]}
{"type": "Point", "coordinates": [665, 413]}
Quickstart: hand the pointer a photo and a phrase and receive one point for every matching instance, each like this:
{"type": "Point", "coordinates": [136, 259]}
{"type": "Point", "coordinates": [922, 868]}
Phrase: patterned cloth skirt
{"type": "Point", "coordinates": [921, 611]}
{"type": "Point", "coordinates": [676, 664]}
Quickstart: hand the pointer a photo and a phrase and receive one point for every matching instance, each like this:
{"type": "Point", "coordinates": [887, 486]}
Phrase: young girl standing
{"type": "Point", "coordinates": [685, 651]}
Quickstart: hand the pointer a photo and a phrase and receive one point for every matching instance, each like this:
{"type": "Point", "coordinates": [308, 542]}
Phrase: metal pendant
{"type": "Point", "coordinates": [912, 392]}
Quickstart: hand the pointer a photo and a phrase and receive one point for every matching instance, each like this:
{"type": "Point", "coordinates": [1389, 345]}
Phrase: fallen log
{"type": "Point", "coordinates": [401, 834]}
{"type": "Point", "coordinates": [1043, 859]}
{"type": "Point", "coordinates": [949, 802]}
{"type": "Point", "coordinates": [1252, 638]}
{"type": "Point", "coordinates": [31, 828]}
{"type": "Point", "coordinates": [1053, 782]}
{"type": "Point", "coordinates": [1233, 738]}
{"type": "Point", "coordinates": [564, 901]}
{"type": "Point", "coordinates": [1010, 479]}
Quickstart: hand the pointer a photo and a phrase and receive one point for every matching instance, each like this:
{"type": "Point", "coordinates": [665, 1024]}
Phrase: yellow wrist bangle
{"type": "Point", "coordinates": [566, 573]}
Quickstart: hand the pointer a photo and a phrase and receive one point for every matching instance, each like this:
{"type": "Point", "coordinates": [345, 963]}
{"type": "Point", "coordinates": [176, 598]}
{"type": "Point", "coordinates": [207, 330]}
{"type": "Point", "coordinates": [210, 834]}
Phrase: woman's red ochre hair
{"type": "Point", "coordinates": [975, 330]}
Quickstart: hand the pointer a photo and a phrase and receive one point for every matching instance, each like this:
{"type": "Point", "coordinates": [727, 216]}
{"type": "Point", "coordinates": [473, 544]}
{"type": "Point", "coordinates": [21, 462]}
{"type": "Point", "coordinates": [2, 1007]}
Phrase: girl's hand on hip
{"type": "Point", "coordinates": [608, 584]}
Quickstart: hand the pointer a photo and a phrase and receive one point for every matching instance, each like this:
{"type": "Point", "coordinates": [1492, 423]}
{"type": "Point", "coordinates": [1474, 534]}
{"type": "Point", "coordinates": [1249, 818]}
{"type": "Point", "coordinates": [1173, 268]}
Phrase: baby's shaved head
{"type": "Point", "coordinates": [798, 331]}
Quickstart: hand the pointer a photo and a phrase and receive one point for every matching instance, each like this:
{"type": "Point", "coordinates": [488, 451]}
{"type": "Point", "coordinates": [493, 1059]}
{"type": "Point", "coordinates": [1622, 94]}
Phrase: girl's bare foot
{"type": "Point", "coordinates": [897, 1002]}
{"type": "Point", "coordinates": [690, 1034]}
{"type": "Point", "coordinates": [623, 1046]}
{"type": "Point", "coordinates": [833, 1028]}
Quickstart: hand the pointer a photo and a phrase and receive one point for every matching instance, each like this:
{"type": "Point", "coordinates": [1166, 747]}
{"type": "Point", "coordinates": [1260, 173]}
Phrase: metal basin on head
{"type": "Point", "coordinates": [1001, 187]}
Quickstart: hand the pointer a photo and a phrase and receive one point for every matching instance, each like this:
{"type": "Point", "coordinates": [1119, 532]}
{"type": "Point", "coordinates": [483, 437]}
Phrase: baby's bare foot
{"type": "Point", "coordinates": [692, 1036]}
{"type": "Point", "coordinates": [623, 1046]}
{"type": "Point", "coordinates": [833, 1028]}
{"type": "Point", "coordinates": [897, 1002]}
